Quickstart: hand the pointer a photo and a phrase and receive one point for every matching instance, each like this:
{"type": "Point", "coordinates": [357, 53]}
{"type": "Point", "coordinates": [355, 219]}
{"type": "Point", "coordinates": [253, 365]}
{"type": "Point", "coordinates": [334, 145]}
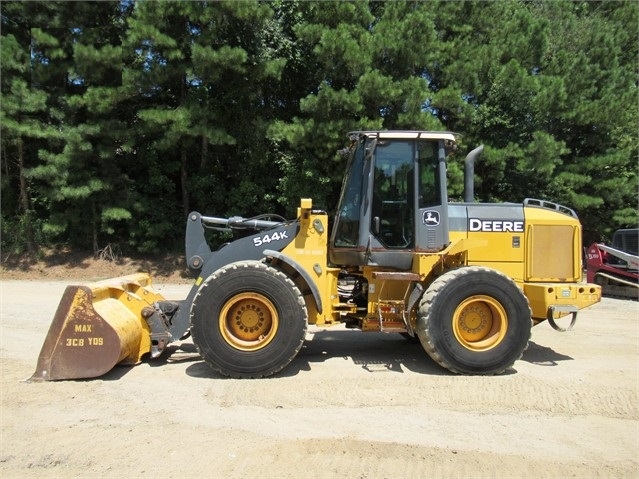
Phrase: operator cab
{"type": "Point", "coordinates": [393, 200]}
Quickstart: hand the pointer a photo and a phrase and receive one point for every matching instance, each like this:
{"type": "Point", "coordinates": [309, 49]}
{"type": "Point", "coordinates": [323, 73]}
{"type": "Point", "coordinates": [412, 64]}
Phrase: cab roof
{"type": "Point", "coordinates": [406, 134]}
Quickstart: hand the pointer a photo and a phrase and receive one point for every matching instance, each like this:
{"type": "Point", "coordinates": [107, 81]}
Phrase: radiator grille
{"type": "Point", "coordinates": [551, 253]}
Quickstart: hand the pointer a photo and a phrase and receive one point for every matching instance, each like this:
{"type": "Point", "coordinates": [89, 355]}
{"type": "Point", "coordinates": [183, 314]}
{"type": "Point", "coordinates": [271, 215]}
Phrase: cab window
{"type": "Point", "coordinates": [393, 194]}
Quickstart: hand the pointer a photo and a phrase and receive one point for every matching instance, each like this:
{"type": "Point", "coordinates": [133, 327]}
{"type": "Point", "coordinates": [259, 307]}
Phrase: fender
{"type": "Point", "coordinates": [268, 253]}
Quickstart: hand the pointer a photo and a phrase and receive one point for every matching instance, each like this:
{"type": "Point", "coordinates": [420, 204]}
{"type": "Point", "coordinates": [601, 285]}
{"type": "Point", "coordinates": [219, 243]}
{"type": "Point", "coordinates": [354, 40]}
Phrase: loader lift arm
{"type": "Point", "coordinates": [195, 240]}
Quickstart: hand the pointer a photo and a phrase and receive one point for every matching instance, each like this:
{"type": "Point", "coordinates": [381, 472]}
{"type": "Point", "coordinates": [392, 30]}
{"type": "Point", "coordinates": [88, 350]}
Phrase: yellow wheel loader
{"type": "Point", "coordinates": [469, 280]}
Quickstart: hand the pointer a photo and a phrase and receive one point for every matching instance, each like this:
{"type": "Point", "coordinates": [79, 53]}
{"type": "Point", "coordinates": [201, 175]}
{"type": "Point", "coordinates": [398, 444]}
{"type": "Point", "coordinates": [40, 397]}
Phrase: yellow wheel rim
{"type": "Point", "coordinates": [480, 323]}
{"type": "Point", "coordinates": [248, 321]}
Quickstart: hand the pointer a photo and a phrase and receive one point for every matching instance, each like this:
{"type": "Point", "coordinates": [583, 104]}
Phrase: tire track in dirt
{"type": "Point", "coordinates": [493, 394]}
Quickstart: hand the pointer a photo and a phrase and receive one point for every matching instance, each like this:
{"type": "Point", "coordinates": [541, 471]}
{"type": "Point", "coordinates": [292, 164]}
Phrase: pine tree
{"type": "Point", "coordinates": [369, 70]}
{"type": "Point", "coordinates": [594, 57]}
{"type": "Point", "coordinates": [204, 70]}
{"type": "Point", "coordinates": [78, 61]}
{"type": "Point", "coordinates": [27, 124]}
{"type": "Point", "coordinates": [120, 117]}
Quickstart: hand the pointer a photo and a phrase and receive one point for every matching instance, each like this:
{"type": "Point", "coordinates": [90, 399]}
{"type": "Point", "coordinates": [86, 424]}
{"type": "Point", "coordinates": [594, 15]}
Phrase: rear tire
{"type": "Point", "coordinates": [248, 320]}
{"type": "Point", "coordinates": [474, 320]}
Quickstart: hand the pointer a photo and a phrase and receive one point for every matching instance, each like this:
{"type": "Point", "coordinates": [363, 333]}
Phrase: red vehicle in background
{"type": "Point", "coordinates": [616, 267]}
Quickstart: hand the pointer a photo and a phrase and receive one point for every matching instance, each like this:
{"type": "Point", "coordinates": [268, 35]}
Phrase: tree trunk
{"type": "Point", "coordinates": [183, 157]}
{"type": "Point", "coordinates": [94, 229]}
{"type": "Point", "coordinates": [205, 149]}
{"type": "Point", "coordinates": [25, 202]}
{"type": "Point", "coordinates": [183, 183]}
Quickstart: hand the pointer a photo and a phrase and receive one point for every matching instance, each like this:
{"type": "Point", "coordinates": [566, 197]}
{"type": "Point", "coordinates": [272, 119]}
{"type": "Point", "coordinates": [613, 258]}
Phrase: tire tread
{"type": "Point", "coordinates": [433, 292]}
{"type": "Point", "coordinates": [210, 282]}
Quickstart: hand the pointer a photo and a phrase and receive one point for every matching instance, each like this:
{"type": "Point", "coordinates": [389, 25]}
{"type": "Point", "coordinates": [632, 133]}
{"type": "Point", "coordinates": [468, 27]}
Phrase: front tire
{"type": "Point", "coordinates": [474, 320]}
{"type": "Point", "coordinates": [248, 320]}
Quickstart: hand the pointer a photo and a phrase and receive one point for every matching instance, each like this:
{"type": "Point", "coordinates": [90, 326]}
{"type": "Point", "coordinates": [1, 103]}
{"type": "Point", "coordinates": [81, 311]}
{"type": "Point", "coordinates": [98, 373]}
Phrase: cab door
{"type": "Point", "coordinates": [409, 201]}
{"type": "Point", "coordinates": [432, 222]}
{"type": "Point", "coordinates": [392, 217]}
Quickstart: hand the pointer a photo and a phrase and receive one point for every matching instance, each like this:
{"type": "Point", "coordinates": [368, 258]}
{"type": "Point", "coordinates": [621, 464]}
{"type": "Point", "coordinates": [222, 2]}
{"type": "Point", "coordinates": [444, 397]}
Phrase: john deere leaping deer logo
{"type": "Point", "coordinates": [431, 218]}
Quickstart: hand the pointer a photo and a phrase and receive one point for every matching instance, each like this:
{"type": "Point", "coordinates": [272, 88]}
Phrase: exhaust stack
{"type": "Point", "coordinates": [469, 174]}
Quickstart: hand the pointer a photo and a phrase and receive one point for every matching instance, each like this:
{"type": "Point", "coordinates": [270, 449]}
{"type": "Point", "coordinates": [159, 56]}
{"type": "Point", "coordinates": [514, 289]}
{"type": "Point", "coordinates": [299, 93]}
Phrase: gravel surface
{"type": "Point", "coordinates": [351, 405]}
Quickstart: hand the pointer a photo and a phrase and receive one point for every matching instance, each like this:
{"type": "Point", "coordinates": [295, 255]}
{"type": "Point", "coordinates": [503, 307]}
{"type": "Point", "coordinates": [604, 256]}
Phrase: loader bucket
{"type": "Point", "coordinates": [97, 326]}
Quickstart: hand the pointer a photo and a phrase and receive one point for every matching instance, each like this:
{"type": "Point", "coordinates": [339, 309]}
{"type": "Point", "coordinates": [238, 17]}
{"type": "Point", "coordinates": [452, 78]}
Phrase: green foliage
{"type": "Point", "coordinates": [118, 118]}
{"type": "Point", "coordinates": [14, 233]}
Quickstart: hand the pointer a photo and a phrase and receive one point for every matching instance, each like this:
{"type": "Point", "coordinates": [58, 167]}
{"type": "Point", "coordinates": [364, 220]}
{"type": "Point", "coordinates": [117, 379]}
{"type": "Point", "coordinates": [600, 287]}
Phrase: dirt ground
{"type": "Point", "coordinates": [351, 405]}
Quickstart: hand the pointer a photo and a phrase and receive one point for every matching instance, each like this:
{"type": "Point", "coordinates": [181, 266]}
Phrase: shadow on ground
{"type": "Point", "coordinates": [373, 352]}
{"type": "Point", "coordinates": [543, 355]}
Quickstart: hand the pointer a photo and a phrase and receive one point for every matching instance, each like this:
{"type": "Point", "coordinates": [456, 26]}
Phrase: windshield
{"type": "Point", "coordinates": [350, 202]}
